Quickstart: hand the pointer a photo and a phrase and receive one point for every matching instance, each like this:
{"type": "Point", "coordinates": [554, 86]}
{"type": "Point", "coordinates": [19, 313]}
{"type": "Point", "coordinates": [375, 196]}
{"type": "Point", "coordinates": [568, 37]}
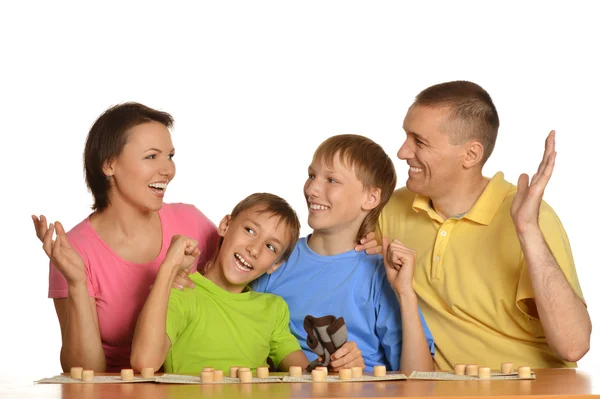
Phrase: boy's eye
{"type": "Point", "coordinates": [311, 176]}
{"type": "Point", "coordinates": [272, 248]}
{"type": "Point", "coordinates": [330, 180]}
{"type": "Point", "coordinates": [250, 231]}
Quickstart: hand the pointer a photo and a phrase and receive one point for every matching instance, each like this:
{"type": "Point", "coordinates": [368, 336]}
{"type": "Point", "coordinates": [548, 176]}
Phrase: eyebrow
{"type": "Point", "coordinates": [158, 150]}
{"type": "Point", "coordinates": [260, 227]}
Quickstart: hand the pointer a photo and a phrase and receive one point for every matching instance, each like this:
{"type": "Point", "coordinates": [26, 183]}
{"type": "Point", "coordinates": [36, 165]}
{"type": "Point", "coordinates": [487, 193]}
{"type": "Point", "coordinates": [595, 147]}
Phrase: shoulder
{"type": "Point", "coordinates": [179, 209]}
{"type": "Point", "coordinates": [82, 235]}
{"type": "Point", "coordinates": [185, 213]}
{"type": "Point", "coordinates": [402, 198]}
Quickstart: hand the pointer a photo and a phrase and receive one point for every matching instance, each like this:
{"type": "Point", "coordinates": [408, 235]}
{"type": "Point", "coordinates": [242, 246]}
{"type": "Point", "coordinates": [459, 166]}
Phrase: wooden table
{"type": "Point", "coordinates": [550, 382]}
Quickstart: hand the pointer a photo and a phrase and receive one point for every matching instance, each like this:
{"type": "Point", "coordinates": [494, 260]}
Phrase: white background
{"type": "Point", "coordinates": [254, 87]}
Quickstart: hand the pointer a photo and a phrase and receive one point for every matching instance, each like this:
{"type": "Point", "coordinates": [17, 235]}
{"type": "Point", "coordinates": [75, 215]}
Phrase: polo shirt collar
{"type": "Point", "coordinates": [484, 209]}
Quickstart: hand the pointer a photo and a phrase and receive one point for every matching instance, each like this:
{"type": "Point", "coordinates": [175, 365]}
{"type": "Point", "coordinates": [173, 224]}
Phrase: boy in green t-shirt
{"type": "Point", "coordinates": [221, 322]}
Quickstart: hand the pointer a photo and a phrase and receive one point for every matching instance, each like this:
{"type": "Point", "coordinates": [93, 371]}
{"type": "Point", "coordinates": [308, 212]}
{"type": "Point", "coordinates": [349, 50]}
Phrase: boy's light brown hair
{"type": "Point", "coordinates": [372, 166]}
{"type": "Point", "coordinates": [275, 206]}
{"type": "Point", "coordinates": [471, 115]}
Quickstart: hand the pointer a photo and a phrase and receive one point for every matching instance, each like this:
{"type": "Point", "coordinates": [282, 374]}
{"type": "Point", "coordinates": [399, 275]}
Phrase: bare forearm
{"type": "Point", "coordinates": [149, 340]}
{"type": "Point", "coordinates": [415, 355]}
{"type": "Point", "coordinates": [82, 345]}
{"type": "Point", "coordinates": [563, 315]}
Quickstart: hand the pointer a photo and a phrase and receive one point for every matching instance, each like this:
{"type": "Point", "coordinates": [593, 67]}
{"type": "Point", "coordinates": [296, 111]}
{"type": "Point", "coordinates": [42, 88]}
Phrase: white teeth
{"type": "Point", "coordinates": [242, 263]}
{"type": "Point", "coordinates": [415, 169]}
{"type": "Point", "coordinates": [318, 207]}
{"type": "Point", "coordinates": [158, 185]}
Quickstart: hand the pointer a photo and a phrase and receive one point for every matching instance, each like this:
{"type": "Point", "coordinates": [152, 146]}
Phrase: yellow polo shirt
{"type": "Point", "coordinates": [472, 280]}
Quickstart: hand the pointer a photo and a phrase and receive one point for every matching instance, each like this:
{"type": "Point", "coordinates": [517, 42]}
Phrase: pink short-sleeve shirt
{"type": "Point", "coordinates": [121, 287]}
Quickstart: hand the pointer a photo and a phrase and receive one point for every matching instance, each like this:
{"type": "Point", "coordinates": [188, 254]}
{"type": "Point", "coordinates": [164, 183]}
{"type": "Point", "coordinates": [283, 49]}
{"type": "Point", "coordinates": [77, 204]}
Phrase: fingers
{"type": "Point", "coordinates": [40, 226]}
{"type": "Point", "coordinates": [368, 242]}
{"type": "Point", "coordinates": [385, 246]}
{"type": "Point", "coordinates": [549, 150]}
{"type": "Point", "coordinates": [375, 250]}
{"type": "Point", "coordinates": [182, 280]}
{"type": "Point", "coordinates": [47, 242]}
{"type": "Point", "coordinates": [348, 355]}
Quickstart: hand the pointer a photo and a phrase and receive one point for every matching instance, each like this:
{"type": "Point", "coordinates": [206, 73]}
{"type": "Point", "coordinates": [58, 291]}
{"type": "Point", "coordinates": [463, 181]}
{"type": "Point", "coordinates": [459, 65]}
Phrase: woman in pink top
{"type": "Point", "coordinates": [101, 271]}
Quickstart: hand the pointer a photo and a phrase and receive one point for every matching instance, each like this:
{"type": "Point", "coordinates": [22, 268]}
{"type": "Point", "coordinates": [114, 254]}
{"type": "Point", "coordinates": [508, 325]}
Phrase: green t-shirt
{"type": "Point", "coordinates": [211, 327]}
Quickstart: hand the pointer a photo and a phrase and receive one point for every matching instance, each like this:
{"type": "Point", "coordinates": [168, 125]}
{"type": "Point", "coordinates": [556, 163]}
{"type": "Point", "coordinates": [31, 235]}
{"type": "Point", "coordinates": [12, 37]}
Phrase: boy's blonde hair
{"type": "Point", "coordinates": [276, 206]}
{"type": "Point", "coordinates": [372, 166]}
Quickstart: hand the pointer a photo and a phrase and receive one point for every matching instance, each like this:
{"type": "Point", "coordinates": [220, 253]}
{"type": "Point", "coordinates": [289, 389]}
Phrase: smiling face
{"type": "Point", "coordinates": [435, 164]}
{"type": "Point", "coordinates": [253, 243]}
{"type": "Point", "coordinates": [140, 175]}
{"type": "Point", "coordinates": [335, 197]}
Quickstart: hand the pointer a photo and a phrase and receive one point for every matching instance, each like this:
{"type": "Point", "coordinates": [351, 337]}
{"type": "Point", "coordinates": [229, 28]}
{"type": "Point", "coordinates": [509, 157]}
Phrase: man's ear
{"type": "Point", "coordinates": [108, 168]}
{"type": "Point", "coordinates": [224, 225]}
{"type": "Point", "coordinates": [274, 267]}
{"type": "Point", "coordinates": [473, 155]}
{"type": "Point", "coordinates": [372, 198]}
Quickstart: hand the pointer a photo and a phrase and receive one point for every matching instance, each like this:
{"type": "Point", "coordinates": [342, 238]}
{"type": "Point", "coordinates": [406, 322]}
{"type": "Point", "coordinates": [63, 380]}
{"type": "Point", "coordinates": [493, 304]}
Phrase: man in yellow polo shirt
{"type": "Point", "coordinates": [495, 275]}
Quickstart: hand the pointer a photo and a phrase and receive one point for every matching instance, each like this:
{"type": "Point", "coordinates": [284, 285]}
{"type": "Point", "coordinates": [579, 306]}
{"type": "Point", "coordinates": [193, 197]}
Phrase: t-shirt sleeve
{"type": "Point", "coordinates": [179, 313]}
{"type": "Point", "coordinates": [283, 341]}
{"type": "Point", "coordinates": [57, 283]}
{"type": "Point", "coordinates": [388, 325]}
{"type": "Point", "coordinates": [558, 243]}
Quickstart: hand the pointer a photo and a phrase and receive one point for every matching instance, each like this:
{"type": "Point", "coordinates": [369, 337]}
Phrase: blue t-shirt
{"type": "Point", "coordinates": [352, 285]}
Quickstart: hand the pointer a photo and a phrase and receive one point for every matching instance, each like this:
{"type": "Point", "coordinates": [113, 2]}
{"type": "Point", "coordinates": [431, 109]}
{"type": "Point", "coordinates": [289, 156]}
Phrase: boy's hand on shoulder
{"type": "Point", "coordinates": [348, 355]}
{"type": "Point", "coordinates": [369, 244]}
{"type": "Point", "coordinates": [399, 265]}
{"type": "Point", "coordinates": [182, 253]}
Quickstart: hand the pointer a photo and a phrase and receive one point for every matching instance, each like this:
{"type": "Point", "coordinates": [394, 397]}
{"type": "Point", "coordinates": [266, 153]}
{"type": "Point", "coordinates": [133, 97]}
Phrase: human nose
{"type": "Point", "coordinates": [252, 248]}
{"type": "Point", "coordinates": [406, 151]}
{"type": "Point", "coordinates": [312, 188]}
{"type": "Point", "coordinates": [168, 168]}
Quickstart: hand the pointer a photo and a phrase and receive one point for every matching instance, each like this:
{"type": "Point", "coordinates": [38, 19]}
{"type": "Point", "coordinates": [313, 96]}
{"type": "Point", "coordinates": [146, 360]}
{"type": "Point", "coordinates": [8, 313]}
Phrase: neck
{"type": "Point", "coordinates": [214, 273]}
{"type": "Point", "coordinates": [123, 219]}
{"type": "Point", "coordinates": [332, 243]}
{"type": "Point", "coordinates": [461, 198]}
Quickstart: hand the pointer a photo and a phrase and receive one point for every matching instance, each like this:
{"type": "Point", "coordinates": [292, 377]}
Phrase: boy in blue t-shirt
{"type": "Point", "coordinates": [350, 180]}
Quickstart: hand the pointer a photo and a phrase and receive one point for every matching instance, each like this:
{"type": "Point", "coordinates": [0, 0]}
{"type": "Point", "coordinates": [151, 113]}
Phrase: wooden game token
{"type": "Point", "coordinates": [243, 369]}
{"type": "Point", "coordinates": [207, 377]}
{"type": "Point", "coordinates": [148, 372]}
{"type": "Point", "coordinates": [323, 369]}
{"type": "Point", "coordinates": [356, 372]}
{"type": "Point", "coordinates": [295, 371]}
{"type": "Point", "coordinates": [76, 372]}
{"type": "Point", "coordinates": [87, 375]}
{"type": "Point", "coordinates": [262, 372]}
{"type": "Point", "coordinates": [524, 372]}
{"type": "Point", "coordinates": [379, 371]}
{"type": "Point", "coordinates": [345, 374]}
{"type": "Point", "coordinates": [127, 374]}
{"type": "Point", "coordinates": [506, 368]}
{"type": "Point", "coordinates": [484, 373]}
{"type": "Point", "coordinates": [217, 375]}
{"type": "Point", "coordinates": [208, 369]}
{"type": "Point", "coordinates": [318, 375]}
{"type": "Point", "coordinates": [245, 376]}
{"type": "Point", "coordinates": [233, 371]}
{"type": "Point", "coordinates": [472, 369]}
{"type": "Point", "coordinates": [459, 369]}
